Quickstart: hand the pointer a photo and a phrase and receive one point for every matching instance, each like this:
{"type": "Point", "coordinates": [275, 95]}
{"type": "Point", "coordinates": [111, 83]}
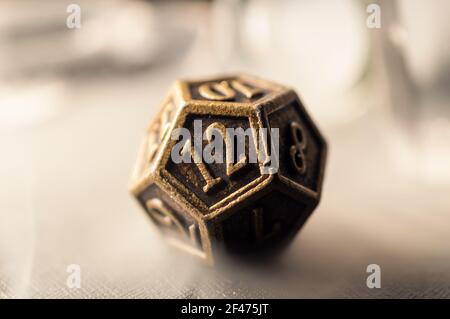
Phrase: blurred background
{"type": "Point", "coordinates": [74, 104]}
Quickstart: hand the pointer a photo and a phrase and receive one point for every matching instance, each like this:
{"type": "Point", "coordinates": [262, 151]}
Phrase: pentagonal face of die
{"type": "Point", "coordinates": [178, 227]}
{"type": "Point", "coordinates": [159, 128]}
{"type": "Point", "coordinates": [215, 183]}
{"type": "Point", "coordinates": [234, 89]}
{"type": "Point", "coordinates": [156, 132]}
{"type": "Point", "coordinates": [265, 226]}
{"type": "Point", "coordinates": [302, 150]}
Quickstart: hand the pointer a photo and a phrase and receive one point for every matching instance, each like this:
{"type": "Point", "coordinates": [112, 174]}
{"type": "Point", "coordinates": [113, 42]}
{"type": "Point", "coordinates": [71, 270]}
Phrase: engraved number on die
{"type": "Point", "coordinates": [226, 90]}
{"type": "Point", "coordinates": [231, 168]}
{"type": "Point", "coordinates": [261, 234]}
{"type": "Point", "coordinates": [159, 130]}
{"type": "Point", "coordinates": [297, 150]}
{"type": "Point", "coordinates": [164, 217]}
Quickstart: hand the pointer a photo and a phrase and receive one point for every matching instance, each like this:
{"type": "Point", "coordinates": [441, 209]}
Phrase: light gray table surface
{"type": "Point", "coordinates": [66, 161]}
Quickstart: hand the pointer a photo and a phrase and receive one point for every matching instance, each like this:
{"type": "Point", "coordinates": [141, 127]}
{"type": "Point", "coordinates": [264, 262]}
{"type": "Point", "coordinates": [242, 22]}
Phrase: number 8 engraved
{"type": "Point", "coordinates": [297, 150]}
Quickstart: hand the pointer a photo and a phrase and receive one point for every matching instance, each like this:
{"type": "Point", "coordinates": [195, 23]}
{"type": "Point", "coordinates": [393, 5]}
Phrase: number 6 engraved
{"type": "Point", "coordinates": [298, 149]}
{"type": "Point", "coordinates": [164, 216]}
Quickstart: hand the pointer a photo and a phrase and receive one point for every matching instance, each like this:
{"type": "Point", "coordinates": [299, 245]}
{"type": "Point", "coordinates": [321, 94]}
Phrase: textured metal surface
{"type": "Point", "coordinates": [64, 201]}
{"type": "Point", "coordinates": [72, 132]}
{"type": "Point", "coordinates": [233, 204]}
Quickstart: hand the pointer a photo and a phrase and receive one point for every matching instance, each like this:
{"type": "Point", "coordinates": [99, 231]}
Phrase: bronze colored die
{"type": "Point", "coordinates": [237, 204]}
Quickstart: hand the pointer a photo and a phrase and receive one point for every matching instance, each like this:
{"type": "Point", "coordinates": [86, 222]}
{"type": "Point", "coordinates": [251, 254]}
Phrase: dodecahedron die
{"type": "Point", "coordinates": [239, 205]}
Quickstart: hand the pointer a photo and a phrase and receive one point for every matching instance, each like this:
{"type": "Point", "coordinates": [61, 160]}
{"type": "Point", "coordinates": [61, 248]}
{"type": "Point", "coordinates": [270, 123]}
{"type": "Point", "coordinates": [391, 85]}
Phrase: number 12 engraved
{"type": "Point", "coordinates": [231, 167]}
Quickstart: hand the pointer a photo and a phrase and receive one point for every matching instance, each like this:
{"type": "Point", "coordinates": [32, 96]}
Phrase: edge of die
{"type": "Point", "coordinates": [142, 176]}
{"type": "Point", "coordinates": [185, 94]}
{"type": "Point", "coordinates": [278, 101]}
{"type": "Point", "coordinates": [323, 142]}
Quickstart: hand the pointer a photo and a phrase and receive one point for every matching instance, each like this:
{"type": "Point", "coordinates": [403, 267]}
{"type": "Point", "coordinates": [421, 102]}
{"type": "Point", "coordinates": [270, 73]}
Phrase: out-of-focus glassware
{"type": "Point", "coordinates": [115, 36]}
{"type": "Point", "coordinates": [411, 74]}
{"type": "Point", "coordinates": [117, 39]}
{"type": "Point", "coordinates": [320, 47]}
{"type": "Point", "coordinates": [343, 68]}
